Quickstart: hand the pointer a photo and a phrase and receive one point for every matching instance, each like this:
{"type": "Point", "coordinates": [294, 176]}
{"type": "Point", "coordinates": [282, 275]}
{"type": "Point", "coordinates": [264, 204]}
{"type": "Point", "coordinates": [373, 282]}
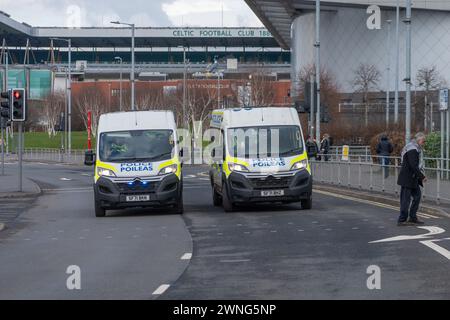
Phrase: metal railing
{"type": "Point", "coordinates": [354, 151]}
{"type": "Point", "coordinates": [373, 176]}
{"type": "Point", "coordinates": [50, 155]}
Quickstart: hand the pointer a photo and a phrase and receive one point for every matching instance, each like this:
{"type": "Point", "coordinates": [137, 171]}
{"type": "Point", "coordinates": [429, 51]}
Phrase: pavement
{"type": "Point", "coordinates": [9, 187]}
{"type": "Point", "coordinates": [262, 252]}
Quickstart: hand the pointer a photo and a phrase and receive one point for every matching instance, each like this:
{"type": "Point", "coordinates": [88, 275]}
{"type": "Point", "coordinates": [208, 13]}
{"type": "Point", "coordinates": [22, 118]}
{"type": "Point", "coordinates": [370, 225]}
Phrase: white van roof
{"type": "Point", "coordinates": [247, 117]}
{"type": "Point", "coordinates": [136, 120]}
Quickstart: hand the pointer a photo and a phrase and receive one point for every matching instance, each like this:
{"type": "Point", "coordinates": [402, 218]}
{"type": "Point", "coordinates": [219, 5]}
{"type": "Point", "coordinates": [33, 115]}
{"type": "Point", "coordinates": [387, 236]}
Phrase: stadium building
{"type": "Point", "coordinates": [162, 54]}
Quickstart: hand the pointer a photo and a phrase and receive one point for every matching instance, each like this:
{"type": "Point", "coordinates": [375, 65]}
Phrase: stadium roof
{"type": "Point", "coordinates": [277, 15]}
{"type": "Point", "coordinates": [16, 35]}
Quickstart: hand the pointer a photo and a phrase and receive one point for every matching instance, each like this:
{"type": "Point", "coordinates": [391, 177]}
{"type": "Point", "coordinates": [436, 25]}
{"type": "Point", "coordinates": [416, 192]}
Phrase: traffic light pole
{"type": "Point", "coordinates": [19, 152]}
{"type": "Point", "coordinates": [3, 148]}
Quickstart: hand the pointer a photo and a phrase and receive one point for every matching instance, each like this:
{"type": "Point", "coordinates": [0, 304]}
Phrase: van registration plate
{"type": "Point", "coordinates": [138, 198]}
{"type": "Point", "coordinates": [272, 193]}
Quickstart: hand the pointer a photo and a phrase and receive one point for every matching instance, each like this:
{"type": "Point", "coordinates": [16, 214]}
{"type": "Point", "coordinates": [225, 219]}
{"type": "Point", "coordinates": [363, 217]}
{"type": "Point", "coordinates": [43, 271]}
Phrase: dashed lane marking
{"type": "Point", "coordinates": [373, 203]}
{"type": "Point", "coordinates": [161, 289]}
{"type": "Point", "coordinates": [68, 190]}
{"type": "Point", "coordinates": [186, 256]}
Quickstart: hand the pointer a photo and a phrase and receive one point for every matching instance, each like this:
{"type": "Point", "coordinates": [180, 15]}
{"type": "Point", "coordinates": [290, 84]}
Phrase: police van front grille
{"type": "Point", "coordinates": [271, 182]}
{"type": "Point", "coordinates": [138, 187]}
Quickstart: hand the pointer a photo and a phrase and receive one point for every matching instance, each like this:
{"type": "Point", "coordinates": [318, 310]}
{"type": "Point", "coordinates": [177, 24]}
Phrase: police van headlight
{"type": "Point", "coordinates": [168, 170]}
{"type": "Point", "coordinates": [237, 167]}
{"type": "Point", "coordinates": [301, 165]}
{"type": "Point", "coordinates": [102, 172]}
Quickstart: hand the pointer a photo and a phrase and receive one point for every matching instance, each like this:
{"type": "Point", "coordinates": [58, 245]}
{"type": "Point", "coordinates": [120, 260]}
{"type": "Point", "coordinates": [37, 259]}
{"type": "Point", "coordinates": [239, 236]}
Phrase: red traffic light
{"type": "Point", "coordinates": [17, 95]}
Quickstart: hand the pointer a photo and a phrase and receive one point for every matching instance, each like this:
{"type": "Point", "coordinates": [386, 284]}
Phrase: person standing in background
{"type": "Point", "coordinates": [325, 147]}
{"type": "Point", "coordinates": [311, 148]}
{"type": "Point", "coordinates": [384, 151]}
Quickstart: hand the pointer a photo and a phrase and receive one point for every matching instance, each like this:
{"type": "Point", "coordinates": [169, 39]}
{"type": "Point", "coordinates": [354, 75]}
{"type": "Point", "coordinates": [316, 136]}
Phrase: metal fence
{"type": "Point", "coordinates": [371, 175]}
{"type": "Point", "coordinates": [50, 155]}
{"type": "Point", "coordinates": [354, 151]}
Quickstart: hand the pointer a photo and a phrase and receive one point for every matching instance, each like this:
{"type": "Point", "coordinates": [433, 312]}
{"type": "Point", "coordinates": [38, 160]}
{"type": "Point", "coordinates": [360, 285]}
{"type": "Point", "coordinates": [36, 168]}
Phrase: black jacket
{"type": "Point", "coordinates": [325, 146]}
{"type": "Point", "coordinates": [311, 149]}
{"type": "Point", "coordinates": [384, 148]}
{"type": "Point", "coordinates": [410, 175]}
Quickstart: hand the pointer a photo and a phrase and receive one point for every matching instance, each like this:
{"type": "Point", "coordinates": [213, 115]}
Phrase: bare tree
{"type": "Point", "coordinates": [262, 89]}
{"type": "Point", "coordinates": [329, 96]}
{"type": "Point", "coordinates": [149, 99]}
{"type": "Point", "coordinates": [53, 106]}
{"type": "Point", "coordinates": [91, 99]}
{"type": "Point", "coordinates": [429, 79]}
{"type": "Point", "coordinates": [366, 79]}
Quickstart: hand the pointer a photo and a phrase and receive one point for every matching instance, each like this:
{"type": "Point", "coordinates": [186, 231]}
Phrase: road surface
{"type": "Point", "coordinates": [265, 252]}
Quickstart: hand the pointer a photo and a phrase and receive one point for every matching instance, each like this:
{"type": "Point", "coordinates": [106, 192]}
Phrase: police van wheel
{"type": "Point", "coordinates": [179, 208]}
{"type": "Point", "coordinates": [99, 211]}
{"type": "Point", "coordinates": [307, 204]}
{"type": "Point", "coordinates": [217, 200]}
{"type": "Point", "coordinates": [228, 206]}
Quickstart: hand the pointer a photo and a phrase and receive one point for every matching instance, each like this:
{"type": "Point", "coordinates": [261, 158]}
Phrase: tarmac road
{"type": "Point", "coordinates": [265, 252]}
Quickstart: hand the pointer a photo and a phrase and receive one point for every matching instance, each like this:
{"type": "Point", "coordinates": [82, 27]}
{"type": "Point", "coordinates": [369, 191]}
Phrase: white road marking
{"type": "Point", "coordinates": [65, 179]}
{"type": "Point", "coordinates": [301, 230]}
{"type": "Point", "coordinates": [186, 256]}
{"type": "Point", "coordinates": [432, 231]}
{"type": "Point", "coordinates": [432, 245]}
{"type": "Point", "coordinates": [161, 289]}
{"type": "Point", "coordinates": [70, 190]}
{"type": "Point", "coordinates": [196, 187]}
{"type": "Point", "coordinates": [374, 203]}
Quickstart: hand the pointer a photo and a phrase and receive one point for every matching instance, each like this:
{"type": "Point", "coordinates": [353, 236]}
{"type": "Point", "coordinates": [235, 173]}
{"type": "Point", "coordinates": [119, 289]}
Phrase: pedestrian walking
{"type": "Point", "coordinates": [325, 147]}
{"type": "Point", "coordinates": [384, 151]}
{"type": "Point", "coordinates": [411, 179]}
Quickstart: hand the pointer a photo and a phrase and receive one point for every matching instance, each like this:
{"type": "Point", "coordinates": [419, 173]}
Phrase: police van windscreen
{"type": "Point", "coordinates": [264, 141]}
{"type": "Point", "coordinates": [136, 145]}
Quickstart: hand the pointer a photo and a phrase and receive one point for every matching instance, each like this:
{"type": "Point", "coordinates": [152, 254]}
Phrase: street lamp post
{"type": "Point", "coordinates": [408, 71]}
{"type": "Point", "coordinates": [388, 72]}
{"type": "Point", "coordinates": [317, 46]}
{"type": "Point", "coordinates": [133, 27]}
{"type": "Point", "coordinates": [69, 94]}
{"type": "Point", "coordinates": [397, 60]}
{"type": "Point", "coordinates": [120, 85]}
{"type": "Point", "coordinates": [184, 89]}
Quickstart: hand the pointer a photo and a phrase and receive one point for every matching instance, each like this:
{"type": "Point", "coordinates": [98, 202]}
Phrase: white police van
{"type": "Point", "coordinates": [262, 158]}
{"type": "Point", "coordinates": [137, 162]}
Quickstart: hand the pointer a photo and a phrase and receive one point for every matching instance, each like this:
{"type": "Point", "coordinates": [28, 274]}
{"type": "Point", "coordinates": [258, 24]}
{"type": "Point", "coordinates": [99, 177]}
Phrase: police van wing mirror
{"type": "Point", "coordinates": [89, 158]}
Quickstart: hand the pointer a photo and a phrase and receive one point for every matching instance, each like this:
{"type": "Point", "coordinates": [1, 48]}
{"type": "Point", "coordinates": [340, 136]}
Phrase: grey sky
{"type": "Point", "coordinates": [157, 13]}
